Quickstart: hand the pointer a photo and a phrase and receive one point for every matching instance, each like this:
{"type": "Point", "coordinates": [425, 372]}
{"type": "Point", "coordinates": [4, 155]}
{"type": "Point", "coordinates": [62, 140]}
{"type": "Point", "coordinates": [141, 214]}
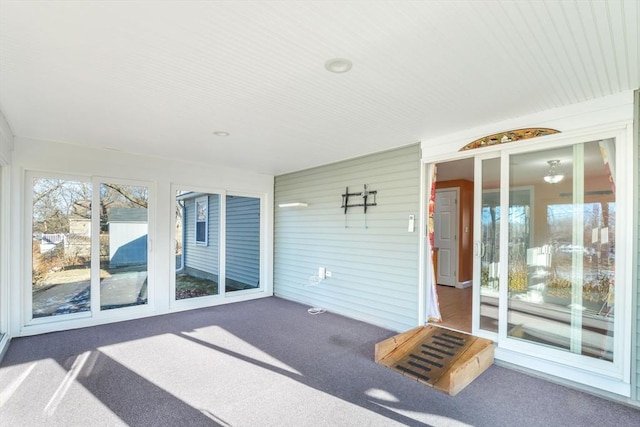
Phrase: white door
{"type": "Point", "coordinates": [445, 236]}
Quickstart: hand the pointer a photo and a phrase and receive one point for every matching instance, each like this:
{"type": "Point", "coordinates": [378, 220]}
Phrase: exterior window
{"type": "Point", "coordinates": [61, 247]}
{"type": "Point", "coordinates": [242, 243]}
{"type": "Point", "coordinates": [124, 229]}
{"type": "Point", "coordinates": [197, 264]}
{"type": "Point", "coordinates": [202, 220]}
{"type": "Point", "coordinates": [70, 245]}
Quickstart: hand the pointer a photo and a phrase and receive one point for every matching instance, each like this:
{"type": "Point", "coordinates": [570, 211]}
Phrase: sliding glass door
{"type": "Point", "coordinates": [547, 258]}
{"type": "Point", "coordinates": [488, 250]}
{"type": "Point", "coordinates": [89, 246]}
{"type": "Point", "coordinates": [560, 277]}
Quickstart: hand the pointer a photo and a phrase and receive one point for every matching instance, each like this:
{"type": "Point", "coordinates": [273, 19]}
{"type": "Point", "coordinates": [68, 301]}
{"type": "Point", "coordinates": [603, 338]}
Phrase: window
{"type": "Point", "coordinates": [242, 243]}
{"type": "Point", "coordinates": [197, 264]}
{"type": "Point", "coordinates": [124, 229]}
{"type": "Point", "coordinates": [89, 242]}
{"type": "Point", "coordinates": [217, 244]}
{"type": "Point", "coordinates": [60, 247]}
{"type": "Point", "coordinates": [202, 220]}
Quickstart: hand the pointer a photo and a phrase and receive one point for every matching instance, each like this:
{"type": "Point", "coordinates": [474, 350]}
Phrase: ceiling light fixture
{"type": "Point", "coordinates": [554, 175]}
{"type": "Point", "coordinates": [221, 133]}
{"type": "Point", "coordinates": [338, 65]}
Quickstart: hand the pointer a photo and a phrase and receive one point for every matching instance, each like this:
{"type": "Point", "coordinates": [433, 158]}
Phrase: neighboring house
{"type": "Point", "coordinates": [76, 243]}
{"type": "Point", "coordinates": [200, 227]}
{"type": "Point", "coordinates": [128, 230]}
{"type": "Point", "coordinates": [242, 243]}
{"type": "Point", "coordinates": [80, 219]}
{"type": "Point", "coordinates": [49, 242]}
{"type": "Point", "coordinates": [200, 238]}
{"type": "Point", "coordinates": [79, 239]}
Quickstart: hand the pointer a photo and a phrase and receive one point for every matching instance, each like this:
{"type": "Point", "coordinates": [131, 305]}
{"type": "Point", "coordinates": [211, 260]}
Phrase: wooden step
{"type": "Point", "coordinates": [441, 358]}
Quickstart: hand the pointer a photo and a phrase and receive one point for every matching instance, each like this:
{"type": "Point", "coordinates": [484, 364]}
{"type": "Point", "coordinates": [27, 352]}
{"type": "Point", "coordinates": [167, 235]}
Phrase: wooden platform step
{"type": "Point", "coordinates": [441, 358]}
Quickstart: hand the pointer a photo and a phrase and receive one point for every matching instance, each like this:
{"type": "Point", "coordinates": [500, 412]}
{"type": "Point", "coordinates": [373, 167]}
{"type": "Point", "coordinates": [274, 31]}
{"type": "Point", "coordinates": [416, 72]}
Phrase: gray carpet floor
{"type": "Point", "coordinates": [260, 363]}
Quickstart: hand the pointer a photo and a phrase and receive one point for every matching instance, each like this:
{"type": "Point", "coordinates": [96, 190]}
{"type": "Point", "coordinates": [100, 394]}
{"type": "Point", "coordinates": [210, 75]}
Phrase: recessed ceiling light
{"type": "Point", "coordinates": [221, 133]}
{"type": "Point", "coordinates": [338, 65]}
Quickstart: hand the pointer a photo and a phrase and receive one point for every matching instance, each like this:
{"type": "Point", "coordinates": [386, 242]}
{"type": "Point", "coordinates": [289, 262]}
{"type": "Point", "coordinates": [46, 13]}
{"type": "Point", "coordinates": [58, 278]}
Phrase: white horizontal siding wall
{"type": "Point", "coordinates": [373, 259]}
{"type": "Point", "coordinates": [203, 258]}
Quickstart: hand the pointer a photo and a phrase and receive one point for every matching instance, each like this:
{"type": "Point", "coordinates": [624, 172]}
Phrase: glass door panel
{"type": "Point", "coordinates": [561, 254]}
{"type": "Point", "coordinates": [490, 245]}
{"type": "Point", "coordinates": [61, 247]}
{"type": "Point", "coordinates": [197, 250]}
{"type": "Point", "coordinates": [124, 229]}
{"type": "Point", "coordinates": [242, 266]}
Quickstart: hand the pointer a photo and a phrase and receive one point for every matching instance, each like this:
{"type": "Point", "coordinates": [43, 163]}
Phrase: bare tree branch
{"type": "Point", "coordinates": [127, 195]}
{"type": "Point", "coordinates": [40, 196]}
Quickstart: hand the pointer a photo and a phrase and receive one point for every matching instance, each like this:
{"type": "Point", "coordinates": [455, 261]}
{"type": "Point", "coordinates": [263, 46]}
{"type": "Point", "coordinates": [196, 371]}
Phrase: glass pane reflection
{"type": "Point", "coordinates": [124, 229]}
{"type": "Point", "coordinates": [562, 252]}
{"type": "Point", "coordinates": [242, 243]}
{"type": "Point", "coordinates": [197, 252]}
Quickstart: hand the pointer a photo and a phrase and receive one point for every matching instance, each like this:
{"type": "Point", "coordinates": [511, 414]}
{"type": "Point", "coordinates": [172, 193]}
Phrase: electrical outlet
{"type": "Point", "coordinates": [322, 272]}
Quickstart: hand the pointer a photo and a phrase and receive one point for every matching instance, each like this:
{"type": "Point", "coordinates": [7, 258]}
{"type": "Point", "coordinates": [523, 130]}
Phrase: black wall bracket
{"type": "Point", "coordinates": [366, 195]}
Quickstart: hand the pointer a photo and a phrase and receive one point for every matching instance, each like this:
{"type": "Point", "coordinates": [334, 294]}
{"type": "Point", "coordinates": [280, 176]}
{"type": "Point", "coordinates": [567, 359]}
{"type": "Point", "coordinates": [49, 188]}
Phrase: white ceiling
{"type": "Point", "coordinates": [159, 78]}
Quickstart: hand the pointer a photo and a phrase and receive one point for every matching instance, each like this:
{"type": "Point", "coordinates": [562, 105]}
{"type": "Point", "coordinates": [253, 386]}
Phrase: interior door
{"type": "Point", "coordinates": [445, 236]}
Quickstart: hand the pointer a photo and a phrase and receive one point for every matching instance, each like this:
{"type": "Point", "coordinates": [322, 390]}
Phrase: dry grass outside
{"type": "Point", "coordinates": [190, 287]}
{"type": "Point", "coordinates": [54, 268]}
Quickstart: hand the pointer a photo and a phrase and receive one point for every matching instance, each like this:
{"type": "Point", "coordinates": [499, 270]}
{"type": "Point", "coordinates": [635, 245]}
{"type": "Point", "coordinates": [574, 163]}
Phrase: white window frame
{"type": "Point", "coordinates": [95, 315]}
{"type": "Point", "coordinates": [27, 291]}
{"type": "Point", "coordinates": [4, 250]}
{"type": "Point", "coordinates": [121, 312]}
{"type": "Point", "coordinates": [204, 301]}
{"type": "Point", "coordinates": [264, 285]}
{"type": "Point", "coordinates": [202, 201]}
